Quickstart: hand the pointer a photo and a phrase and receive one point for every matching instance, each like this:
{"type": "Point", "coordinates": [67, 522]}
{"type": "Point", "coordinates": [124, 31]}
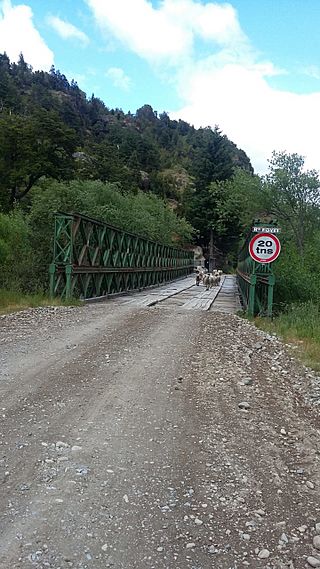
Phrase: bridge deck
{"type": "Point", "coordinates": [185, 294]}
{"type": "Point", "coordinates": [228, 299]}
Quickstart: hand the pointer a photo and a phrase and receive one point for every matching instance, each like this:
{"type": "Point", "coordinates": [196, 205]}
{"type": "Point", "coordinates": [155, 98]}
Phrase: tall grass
{"type": "Point", "coordinates": [298, 324]}
{"type": "Point", "coordinates": [11, 301]}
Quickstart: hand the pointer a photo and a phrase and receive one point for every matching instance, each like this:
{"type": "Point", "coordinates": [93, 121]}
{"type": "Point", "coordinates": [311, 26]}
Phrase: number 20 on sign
{"type": "Point", "coordinates": [264, 248]}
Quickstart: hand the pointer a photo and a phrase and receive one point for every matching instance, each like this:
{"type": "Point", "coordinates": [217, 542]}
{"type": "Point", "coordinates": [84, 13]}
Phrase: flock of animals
{"type": "Point", "coordinates": [208, 279]}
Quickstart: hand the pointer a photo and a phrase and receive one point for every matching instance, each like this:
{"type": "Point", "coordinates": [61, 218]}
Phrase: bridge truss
{"type": "Point", "coordinates": [92, 259]}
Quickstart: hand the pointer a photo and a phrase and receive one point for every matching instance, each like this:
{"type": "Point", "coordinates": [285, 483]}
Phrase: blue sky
{"type": "Point", "coordinates": [250, 66]}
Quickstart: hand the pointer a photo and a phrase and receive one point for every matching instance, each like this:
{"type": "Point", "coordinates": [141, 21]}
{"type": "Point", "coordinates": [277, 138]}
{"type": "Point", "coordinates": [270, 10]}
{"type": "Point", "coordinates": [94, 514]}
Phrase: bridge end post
{"type": "Point", "coordinates": [270, 294]}
{"type": "Point", "coordinates": [252, 295]}
{"type": "Point", "coordinates": [52, 277]}
{"type": "Point", "coordinates": [68, 272]}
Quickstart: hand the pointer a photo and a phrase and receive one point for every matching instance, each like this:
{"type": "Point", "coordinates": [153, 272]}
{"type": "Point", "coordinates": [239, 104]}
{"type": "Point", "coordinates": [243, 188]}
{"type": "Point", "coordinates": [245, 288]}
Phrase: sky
{"type": "Point", "coordinates": [251, 67]}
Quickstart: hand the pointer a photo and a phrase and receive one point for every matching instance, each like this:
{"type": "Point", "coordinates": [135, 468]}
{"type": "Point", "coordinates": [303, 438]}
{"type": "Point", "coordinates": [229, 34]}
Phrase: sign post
{"type": "Point", "coordinates": [264, 247]}
{"type": "Point", "coordinates": [255, 273]}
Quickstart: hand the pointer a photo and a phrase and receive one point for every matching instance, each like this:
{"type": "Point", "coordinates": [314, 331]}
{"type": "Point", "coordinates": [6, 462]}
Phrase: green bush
{"type": "Point", "coordinates": [16, 254]}
{"type": "Point", "coordinates": [297, 278]}
{"type": "Point", "coordinates": [142, 213]}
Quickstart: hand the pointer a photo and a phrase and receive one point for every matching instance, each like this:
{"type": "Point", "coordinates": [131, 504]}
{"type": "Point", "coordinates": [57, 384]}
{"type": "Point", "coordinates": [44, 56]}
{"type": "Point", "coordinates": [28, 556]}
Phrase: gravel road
{"type": "Point", "coordinates": [149, 438]}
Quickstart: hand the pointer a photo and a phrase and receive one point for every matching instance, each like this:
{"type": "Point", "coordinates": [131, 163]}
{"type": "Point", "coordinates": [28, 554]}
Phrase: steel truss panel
{"type": "Point", "coordinates": [92, 259]}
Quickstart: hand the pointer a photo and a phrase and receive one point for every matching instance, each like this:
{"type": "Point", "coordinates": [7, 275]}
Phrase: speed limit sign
{"type": "Point", "coordinates": [264, 247]}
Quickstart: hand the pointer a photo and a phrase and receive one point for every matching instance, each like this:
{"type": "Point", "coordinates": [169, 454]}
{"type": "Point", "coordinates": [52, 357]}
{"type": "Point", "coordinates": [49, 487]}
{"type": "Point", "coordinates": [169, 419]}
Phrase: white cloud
{"type": "Point", "coordinates": [18, 34]}
{"type": "Point", "coordinates": [255, 116]}
{"type": "Point", "coordinates": [311, 71]}
{"type": "Point", "coordinates": [119, 78]}
{"type": "Point", "coordinates": [167, 34]}
{"type": "Point", "coordinates": [230, 87]}
{"type": "Point", "coordinates": [146, 31]}
{"type": "Point", "coordinates": [67, 30]}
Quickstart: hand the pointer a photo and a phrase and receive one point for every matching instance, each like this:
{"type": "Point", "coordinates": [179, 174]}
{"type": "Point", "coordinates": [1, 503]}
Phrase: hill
{"type": "Point", "coordinates": [50, 128]}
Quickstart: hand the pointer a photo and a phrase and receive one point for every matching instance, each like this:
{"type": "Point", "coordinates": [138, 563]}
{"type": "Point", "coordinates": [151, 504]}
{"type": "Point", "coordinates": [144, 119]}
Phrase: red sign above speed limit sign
{"type": "Point", "coordinates": [264, 247]}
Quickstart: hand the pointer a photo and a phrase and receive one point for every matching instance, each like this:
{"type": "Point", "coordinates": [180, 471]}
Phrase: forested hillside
{"type": "Point", "coordinates": [50, 128]}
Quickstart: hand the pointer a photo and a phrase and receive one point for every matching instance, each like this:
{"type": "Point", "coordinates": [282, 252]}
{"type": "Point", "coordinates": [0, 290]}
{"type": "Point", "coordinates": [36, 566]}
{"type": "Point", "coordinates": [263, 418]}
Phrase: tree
{"type": "Point", "coordinates": [9, 93]}
{"type": "Point", "coordinates": [212, 157]}
{"type": "Point", "coordinates": [33, 146]}
{"type": "Point", "coordinates": [16, 255]}
{"type": "Point", "coordinates": [293, 195]}
{"type": "Point", "coordinates": [237, 201]}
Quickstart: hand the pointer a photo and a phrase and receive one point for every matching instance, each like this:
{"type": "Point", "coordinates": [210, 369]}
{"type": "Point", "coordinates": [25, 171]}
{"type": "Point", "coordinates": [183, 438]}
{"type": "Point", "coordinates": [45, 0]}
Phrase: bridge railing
{"type": "Point", "coordinates": [92, 258]}
{"type": "Point", "coordinates": [255, 280]}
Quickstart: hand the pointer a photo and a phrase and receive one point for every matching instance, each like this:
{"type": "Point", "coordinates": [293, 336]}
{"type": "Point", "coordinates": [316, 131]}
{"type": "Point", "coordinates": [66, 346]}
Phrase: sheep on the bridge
{"type": "Point", "coordinates": [206, 280]}
{"type": "Point", "coordinates": [216, 278]}
{"type": "Point", "coordinates": [199, 275]}
{"type": "Point", "coordinates": [211, 280]}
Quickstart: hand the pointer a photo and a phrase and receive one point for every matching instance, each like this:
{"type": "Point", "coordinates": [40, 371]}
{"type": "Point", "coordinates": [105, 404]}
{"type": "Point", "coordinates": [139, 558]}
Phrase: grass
{"type": "Point", "coordinates": [298, 325]}
{"type": "Point", "coordinates": [11, 301]}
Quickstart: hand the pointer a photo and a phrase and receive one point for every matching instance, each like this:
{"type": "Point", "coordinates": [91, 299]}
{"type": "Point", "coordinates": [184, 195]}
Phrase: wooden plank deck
{"type": "Point", "coordinates": [186, 295]}
{"type": "Point", "coordinates": [228, 299]}
{"type": "Point", "coordinates": [151, 297]}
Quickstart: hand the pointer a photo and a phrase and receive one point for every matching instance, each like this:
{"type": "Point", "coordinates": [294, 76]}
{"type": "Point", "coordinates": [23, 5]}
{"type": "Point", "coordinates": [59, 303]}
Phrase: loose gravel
{"type": "Point", "coordinates": [155, 438]}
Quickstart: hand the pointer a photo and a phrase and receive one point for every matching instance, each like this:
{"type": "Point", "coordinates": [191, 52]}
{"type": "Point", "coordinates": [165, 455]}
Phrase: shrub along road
{"type": "Point", "coordinates": [147, 438]}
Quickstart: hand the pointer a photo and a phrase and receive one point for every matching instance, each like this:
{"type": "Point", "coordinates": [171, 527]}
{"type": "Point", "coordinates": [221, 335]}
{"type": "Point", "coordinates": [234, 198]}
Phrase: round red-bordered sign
{"type": "Point", "coordinates": [264, 247]}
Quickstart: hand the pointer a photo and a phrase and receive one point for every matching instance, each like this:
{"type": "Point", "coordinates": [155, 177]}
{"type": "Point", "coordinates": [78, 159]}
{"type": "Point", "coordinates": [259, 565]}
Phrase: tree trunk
{"type": "Point", "coordinates": [13, 197]}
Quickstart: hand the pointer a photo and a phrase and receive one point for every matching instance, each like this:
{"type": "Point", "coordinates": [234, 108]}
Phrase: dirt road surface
{"type": "Point", "coordinates": [144, 438]}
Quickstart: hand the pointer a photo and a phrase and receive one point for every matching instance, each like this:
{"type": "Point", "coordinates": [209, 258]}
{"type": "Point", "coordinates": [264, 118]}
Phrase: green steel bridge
{"type": "Point", "coordinates": [94, 259]}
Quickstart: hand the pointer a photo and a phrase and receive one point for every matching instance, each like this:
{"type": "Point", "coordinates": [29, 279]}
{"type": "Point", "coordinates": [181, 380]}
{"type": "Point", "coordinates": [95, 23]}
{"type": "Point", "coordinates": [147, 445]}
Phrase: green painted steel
{"type": "Point", "coordinates": [255, 280]}
{"type": "Point", "coordinates": [92, 259]}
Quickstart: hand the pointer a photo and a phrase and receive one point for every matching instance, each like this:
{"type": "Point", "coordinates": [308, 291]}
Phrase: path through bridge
{"type": "Point", "coordinates": [184, 293]}
{"type": "Point", "coordinates": [153, 431]}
